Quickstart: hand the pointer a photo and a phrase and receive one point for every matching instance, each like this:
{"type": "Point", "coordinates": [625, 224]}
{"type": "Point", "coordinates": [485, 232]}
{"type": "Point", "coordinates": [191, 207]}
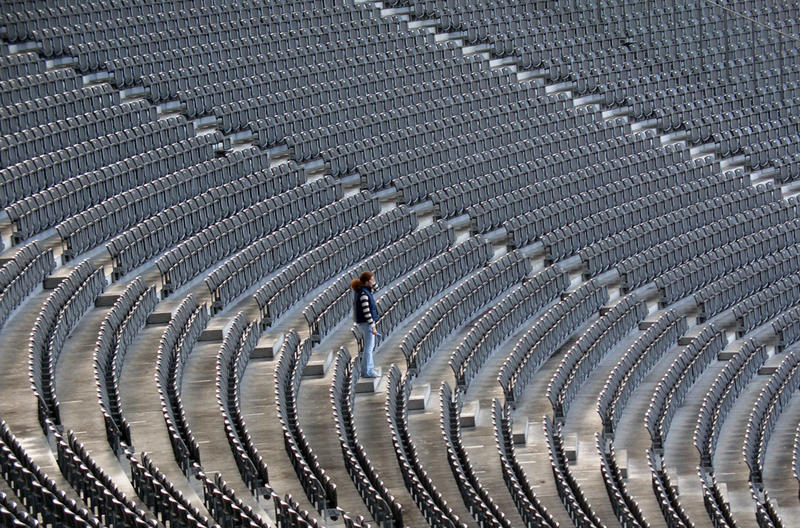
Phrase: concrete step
{"type": "Point", "coordinates": [163, 313]}
{"type": "Point", "coordinates": [106, 299]}
{"type": "Point", "coordinates": [419, 397]}
{"type": "Point", "coordinates": [571, 447]}
{"type": "Point", "coordinates": [369, 385]}
{"type": "Point", "coordinates": [470, 414]}
{"type": "Point", "coordinates": [519, 431]}
{"type": "Point", "coordinates": [216, 330]}
{"type": "Point", "coordinates": [622, 462]}
{"type": "Point", "coordinates": [267, 347]}
{"type": "Point", "coordinates": [317, 368]}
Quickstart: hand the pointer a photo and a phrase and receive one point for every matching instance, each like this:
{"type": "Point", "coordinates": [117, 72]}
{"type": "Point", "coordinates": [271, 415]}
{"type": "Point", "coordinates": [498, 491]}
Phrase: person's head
{"type": "Point", "coordinates": [365, 279]}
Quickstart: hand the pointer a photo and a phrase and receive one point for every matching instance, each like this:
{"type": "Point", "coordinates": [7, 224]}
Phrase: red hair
{"type": "Point", "coordinates": [361, 281]}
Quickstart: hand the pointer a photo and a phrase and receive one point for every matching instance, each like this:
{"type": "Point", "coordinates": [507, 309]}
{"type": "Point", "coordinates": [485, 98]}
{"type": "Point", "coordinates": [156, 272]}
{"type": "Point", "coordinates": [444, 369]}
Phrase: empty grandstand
{"type": "Point", "coordinates": [582, 216]}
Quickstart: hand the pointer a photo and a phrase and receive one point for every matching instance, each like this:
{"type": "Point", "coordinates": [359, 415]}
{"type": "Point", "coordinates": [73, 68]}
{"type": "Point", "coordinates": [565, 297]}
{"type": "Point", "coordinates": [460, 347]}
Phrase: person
{"type": "Point", "coordinates": [365, 314]}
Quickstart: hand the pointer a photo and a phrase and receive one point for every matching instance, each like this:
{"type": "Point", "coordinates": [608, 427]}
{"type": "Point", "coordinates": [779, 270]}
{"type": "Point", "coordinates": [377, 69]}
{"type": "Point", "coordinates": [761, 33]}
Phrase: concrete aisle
{"type": "Point", "coordinates": [142, 409]}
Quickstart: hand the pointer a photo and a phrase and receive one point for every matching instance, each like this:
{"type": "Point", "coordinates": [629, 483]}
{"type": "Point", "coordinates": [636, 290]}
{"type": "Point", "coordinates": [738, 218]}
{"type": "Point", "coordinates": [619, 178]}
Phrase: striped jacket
{"type": "Point", "coordinates": [364, 308]}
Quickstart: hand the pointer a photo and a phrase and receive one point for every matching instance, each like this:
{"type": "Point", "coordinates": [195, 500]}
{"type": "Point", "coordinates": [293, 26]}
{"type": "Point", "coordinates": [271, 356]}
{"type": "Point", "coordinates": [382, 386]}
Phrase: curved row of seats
{"type": "Point", "coordinates": [484, 510]}
{"type": "Point", "coordinates": [416, 117]}
{"type": "Point", "coordinates": [705, 440]}
{"type": "Point", "coordinates": [500, 320]}
{"type": "Point", "coordinates": [234, 232]}
{"type": "Point", "coordinates": [625, 508]}
{"type": "Point", "coordinates": [96, 488]}
{"type": "Point", "coordinates": [100, 50]}
{"type": "Point", "coordinates": [290, 109]}
{"type": "Point", "coordinates": [319, 488]}
{"type": "Point", "coordinates": [166, 502]}
{"type": "Point", "coordinates": [37, 492]}
{"type": "Point", "coordinates": [769, 405]}
{"type": "Point", "coordinates": [637, 361]}
{"type": "Point", "coordinates": [117, 332]}
{"type": "Point", "coordinates": [330, 259]}
{"type": "Point", "coordinates": [718, 401]}
{"type": "Point", "coordinates": [509, 169]}
{"type": "Point", "coordinates": [673, 387]}
{"type": "Point", "coordinates": [435, 275]}
{"type": "Point", "coordinates": [453, 309]}
{"type": "Point", "coordinates": [60, 313]}
{"type": "Point", "coordinates": [589, 349]}
{"type": "Point", "coordinates": [328, 308]}
{"type": "Point", "coordinates": [569, 491]}
{"type": "Point", "coordinates": [23, 20]}
{"type": "Point", "coordinates": [201, 88]}
{"type": "Point", "coordinates": [21, 274]}
{"type": "Point", "coordinates": [381, 504]}
{"type": "Point", "coordinates": [547, 335]}
{"type": "Point", "coordinates": [229, 180]}
{"type": "Point", "coordinates": [189, 320]}
{"type": "Point", "coordinates": [260, 255]}
{"type": "Point", "coordinates": [525, 227]}
{"type": "Point", "coordinates": [529, 506]}
{"type": "Point", "coordinates": [417, 481]}
{"type": "Point", "coordinates": [138, 160]}
{"type": "Point", "coordinates": [232, 361]}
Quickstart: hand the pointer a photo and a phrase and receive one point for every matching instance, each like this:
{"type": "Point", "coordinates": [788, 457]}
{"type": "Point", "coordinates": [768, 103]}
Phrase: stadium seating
{"type": "Point", "coordinates": [568, 206]}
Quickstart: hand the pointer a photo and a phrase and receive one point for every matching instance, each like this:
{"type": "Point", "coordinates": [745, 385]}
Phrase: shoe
{"type": "Point", "coordinates": [372, 374]}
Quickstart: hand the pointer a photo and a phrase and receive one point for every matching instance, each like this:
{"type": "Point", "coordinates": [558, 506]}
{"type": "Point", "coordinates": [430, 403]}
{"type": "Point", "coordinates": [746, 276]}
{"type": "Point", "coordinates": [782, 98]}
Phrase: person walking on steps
{"type": "Point", "coordinates": [365, 313]}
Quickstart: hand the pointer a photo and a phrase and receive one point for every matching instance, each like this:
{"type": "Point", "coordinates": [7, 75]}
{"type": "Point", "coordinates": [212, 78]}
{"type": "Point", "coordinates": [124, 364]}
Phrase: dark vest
{"type": "Point", "coordinates": [357, 311]}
